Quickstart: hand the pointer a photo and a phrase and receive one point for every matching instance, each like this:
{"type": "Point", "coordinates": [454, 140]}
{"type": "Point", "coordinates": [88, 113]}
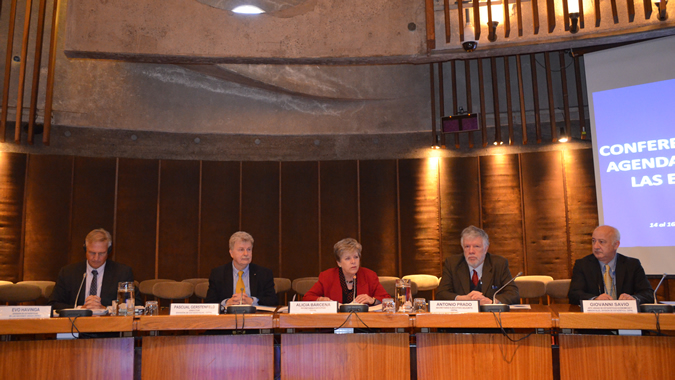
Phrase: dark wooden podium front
{"type": "Point", "coordinates": [609, 356]}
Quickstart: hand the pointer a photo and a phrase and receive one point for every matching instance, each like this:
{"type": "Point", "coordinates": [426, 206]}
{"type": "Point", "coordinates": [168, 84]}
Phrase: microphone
{"type": "Point", "coordinates": [75, 312]}
{"type": "Point", "coordinates": [241, 308]}
{"type": "Point", "coordinates": [355, 293]}
{"type": "Point", "coordinates": [84, 277]}
{"type": "Point", "coordinates": [354, 307]}
{"type": "Point", "coordinates": [657, 307]}
{"type": "Point", "coordinates": [495, 307]}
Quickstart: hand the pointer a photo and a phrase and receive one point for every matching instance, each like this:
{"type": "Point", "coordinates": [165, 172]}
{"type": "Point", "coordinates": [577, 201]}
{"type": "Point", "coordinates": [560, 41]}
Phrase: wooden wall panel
{"type": "Point", "coordinates": [136, 221]}
{"type": "Point", "coordinates": [350, 356]}
{"type": "Point", "coordinates": [48, 199]}
{"type": "Point", "coordinates": [420, 229]}
{"type": "Point", "coordinates": [463, 356]}
{"type": "Point", "coordinates": [379, 216]}
{"type": "Point", "coordinates": [501, 206]}
{"type": "Point", "coordinates": [208, 357]}
{"type": "Point", "coordinates": [68, 359]}
{"type": "Point", "coordinates": [544, 213]}
{"type": "Point", "coordinates": [582, 203]}
{"type": "Point", "coordinates": [339, 206]}
{"type": "Point", "coordinates": [299, 219]}
{"type": "Point", "coordinates": [321, 202]}
{"type": "Point", "coordinates": [12, 186]}
{"type": "Point", "coordinates": [623, 357]}
{"type": "Point", "coordinates": [219, 213]}
{"type": "Point", "coordinates": [93, 200]}
{"type": "Point", "coordinates": [460, 201]}
{"type": "Point", "coordinates": [260, 211]}
{"type": "Point", "coordinates": [178, 219]}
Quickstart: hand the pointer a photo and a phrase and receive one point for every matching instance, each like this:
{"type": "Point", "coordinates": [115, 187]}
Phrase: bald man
{"type": "Point", "coordinates": [606, 274]}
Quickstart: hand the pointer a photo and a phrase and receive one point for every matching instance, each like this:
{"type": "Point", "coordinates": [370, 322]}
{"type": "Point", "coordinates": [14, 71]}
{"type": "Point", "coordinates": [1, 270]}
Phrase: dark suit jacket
{"type": "Point", "coordinates": [70, 278]}
{"type": "Point", "coordinates": [587, 280]}
{"type": "Point", "coordinates": [329, 286]}
{"type": "Point", "coordinates": [261, 282]}
{"type": "Point", "coordinates": [456, 280]}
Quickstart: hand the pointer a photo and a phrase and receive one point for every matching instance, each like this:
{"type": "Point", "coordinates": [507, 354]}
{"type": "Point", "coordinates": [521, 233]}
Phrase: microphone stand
{"type": "Point", "coordinates": [657, 307]}
{"type": "Point", "coordinates": [354, 307]}
{"type": "Point", "coordinates": [241, 308]}
{"type": "Point", "coordinates": [75, 312]}
{"type": "Point", "coordinates": [499, 307]}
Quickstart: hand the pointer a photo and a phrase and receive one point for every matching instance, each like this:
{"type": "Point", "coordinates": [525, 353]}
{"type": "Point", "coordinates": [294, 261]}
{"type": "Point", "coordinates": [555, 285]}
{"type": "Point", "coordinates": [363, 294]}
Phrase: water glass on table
{"type": "Point", "coordinates": [151, 308]}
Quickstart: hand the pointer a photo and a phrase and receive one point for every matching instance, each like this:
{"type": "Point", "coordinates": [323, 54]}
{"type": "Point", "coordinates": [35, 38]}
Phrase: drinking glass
{"type": "Point", "coordinates": [125, 299]}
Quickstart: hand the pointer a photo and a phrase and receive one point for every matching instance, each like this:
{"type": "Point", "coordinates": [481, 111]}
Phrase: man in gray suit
{"type": "Point", "coordinates": [477, 274]}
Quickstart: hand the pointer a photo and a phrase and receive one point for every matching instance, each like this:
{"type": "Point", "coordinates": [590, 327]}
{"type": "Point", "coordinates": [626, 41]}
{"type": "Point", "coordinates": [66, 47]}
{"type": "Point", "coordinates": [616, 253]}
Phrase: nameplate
{"type": "Point", "coordinates": [609, 306]}
{"type": "Point", "coordinates": [312, 307]}
{"type": "Point", "coordinates": [194, 309]}
{"type": "Point", "coordinates": [453, 306]}
{"type": "Point", "coordinates": [25, 312]}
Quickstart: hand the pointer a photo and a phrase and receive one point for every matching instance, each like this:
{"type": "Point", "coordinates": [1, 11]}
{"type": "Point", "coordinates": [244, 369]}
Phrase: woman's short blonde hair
{"type": "Point", "coordinates": [346, 245]}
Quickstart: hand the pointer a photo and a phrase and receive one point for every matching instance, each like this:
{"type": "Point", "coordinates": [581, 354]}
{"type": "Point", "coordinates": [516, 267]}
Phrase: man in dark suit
{"type": "Point", "coordinates": [102, 275]}
{"type": "Point", "coordinates": [606, 274]}
{"type": "Point", "coordinates": [241, 282]}
{"type": "Point", "coordinates": [477, 274]}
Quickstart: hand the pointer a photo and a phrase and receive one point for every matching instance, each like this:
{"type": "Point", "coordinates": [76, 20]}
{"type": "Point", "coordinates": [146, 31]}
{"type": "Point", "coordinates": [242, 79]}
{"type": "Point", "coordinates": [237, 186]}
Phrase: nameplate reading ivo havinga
{"type": "Point", "coordinates": [194, 309]}
{"type": "Point", "coordinates": [609, 306]}
{"type": "Point", "coordinates": [312, 307]}
{"type": "Point", "coordinates": [25, 312]}
{"type": "Point", "coordinates": [453, 306]}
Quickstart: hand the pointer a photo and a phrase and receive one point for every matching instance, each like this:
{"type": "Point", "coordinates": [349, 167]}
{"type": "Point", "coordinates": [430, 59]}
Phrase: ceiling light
{"type": "Point", "coordinates": [248, 10]}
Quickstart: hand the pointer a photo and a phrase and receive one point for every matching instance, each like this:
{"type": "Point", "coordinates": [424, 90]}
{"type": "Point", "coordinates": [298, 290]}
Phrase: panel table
{"type": "Point", "coordinates": [597, 356]}
{"type": "Point", "coordinates": [340, 356]}
{"type": "Point", "coordinates": [477, 355]}
{"type": "Point", "coordinates": [248, 356]}
{"type": "Point", "coordinates": [109, 358]}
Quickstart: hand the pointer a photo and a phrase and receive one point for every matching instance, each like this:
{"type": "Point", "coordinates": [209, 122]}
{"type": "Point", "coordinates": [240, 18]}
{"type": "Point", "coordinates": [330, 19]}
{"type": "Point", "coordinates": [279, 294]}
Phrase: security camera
{"type": "Point", "coordinates": [469, 46]}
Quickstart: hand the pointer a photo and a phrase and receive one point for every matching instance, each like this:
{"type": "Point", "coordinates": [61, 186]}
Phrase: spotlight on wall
{"type": "Point", "coordinates": [562, 137]}
{"type": "Point", "coordinates": [573, 7]}
{"type": "Point", "coordinates": [497, 13]}
{"type": "Point", "coordinates": [662, 13]}
{"type": "Point", "coordinates": [436, 143]}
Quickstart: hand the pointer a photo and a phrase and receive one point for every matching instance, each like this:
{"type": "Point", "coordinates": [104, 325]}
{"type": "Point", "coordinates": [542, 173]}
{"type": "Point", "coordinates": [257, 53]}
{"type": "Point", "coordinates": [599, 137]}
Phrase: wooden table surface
{"type": "Point", "coordinates": [205, 322]}
{"type": "Point", "coordinates": [66, 325]}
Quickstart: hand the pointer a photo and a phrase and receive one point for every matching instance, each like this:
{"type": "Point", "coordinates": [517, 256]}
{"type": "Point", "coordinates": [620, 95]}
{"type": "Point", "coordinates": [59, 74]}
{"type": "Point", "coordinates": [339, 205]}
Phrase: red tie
{"type": "Point", "coordinates": [474, 278]}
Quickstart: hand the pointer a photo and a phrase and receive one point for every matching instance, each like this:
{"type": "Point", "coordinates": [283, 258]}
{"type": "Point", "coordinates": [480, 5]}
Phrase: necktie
{"type": "Point", "coordinates": [240, 283]}
{"type": "Point", "coordinates": [93, 289]}
{"type": "Point", "coordinates": [609, 285]}
{"type": "Point", "coordinates": [474, 278]}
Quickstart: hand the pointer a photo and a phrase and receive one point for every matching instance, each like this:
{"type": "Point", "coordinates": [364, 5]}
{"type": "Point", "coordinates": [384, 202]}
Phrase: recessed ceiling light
{"type": "Point", "coordinates": [248, 10]}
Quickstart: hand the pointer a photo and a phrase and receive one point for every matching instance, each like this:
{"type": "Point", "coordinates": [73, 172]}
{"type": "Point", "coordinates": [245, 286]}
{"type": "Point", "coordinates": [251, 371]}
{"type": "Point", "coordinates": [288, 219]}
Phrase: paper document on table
{"type": "Point", "coordinates": [375, 308]}
{"type": "Point", "coordinates": [271, 309]}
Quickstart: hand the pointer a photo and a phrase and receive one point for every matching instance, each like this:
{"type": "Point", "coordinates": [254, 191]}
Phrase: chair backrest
{"type": "Point", "coordinates": [281, 285]}
{"type": "Point", "coordinates": [558, 289]}
{"type": "Point", "coordinates": [5, 282]}
{"type": "Point", "coordinates": [145, 287]}
{"type": "Point", "coordinates": [47, 287]}
{"type": "Point", "coordinates": [530, 289]}
{"type": "Point", "coordinates": [424, 281]}
{"type": "Point", "coordinates": [17, 293]}
{"type": "Point", "coordinates": [195, 281]}
{"type": "Point", "coordinates": [388, 283]}
{"type": "Point", "coordinates": [303, 284]}
{"type": "Point", "coordinates": [544, 279]}
{"type": "Point", "coordinates": [173, 290]}
{"type": "Point", "coordinates": [201, 289]}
